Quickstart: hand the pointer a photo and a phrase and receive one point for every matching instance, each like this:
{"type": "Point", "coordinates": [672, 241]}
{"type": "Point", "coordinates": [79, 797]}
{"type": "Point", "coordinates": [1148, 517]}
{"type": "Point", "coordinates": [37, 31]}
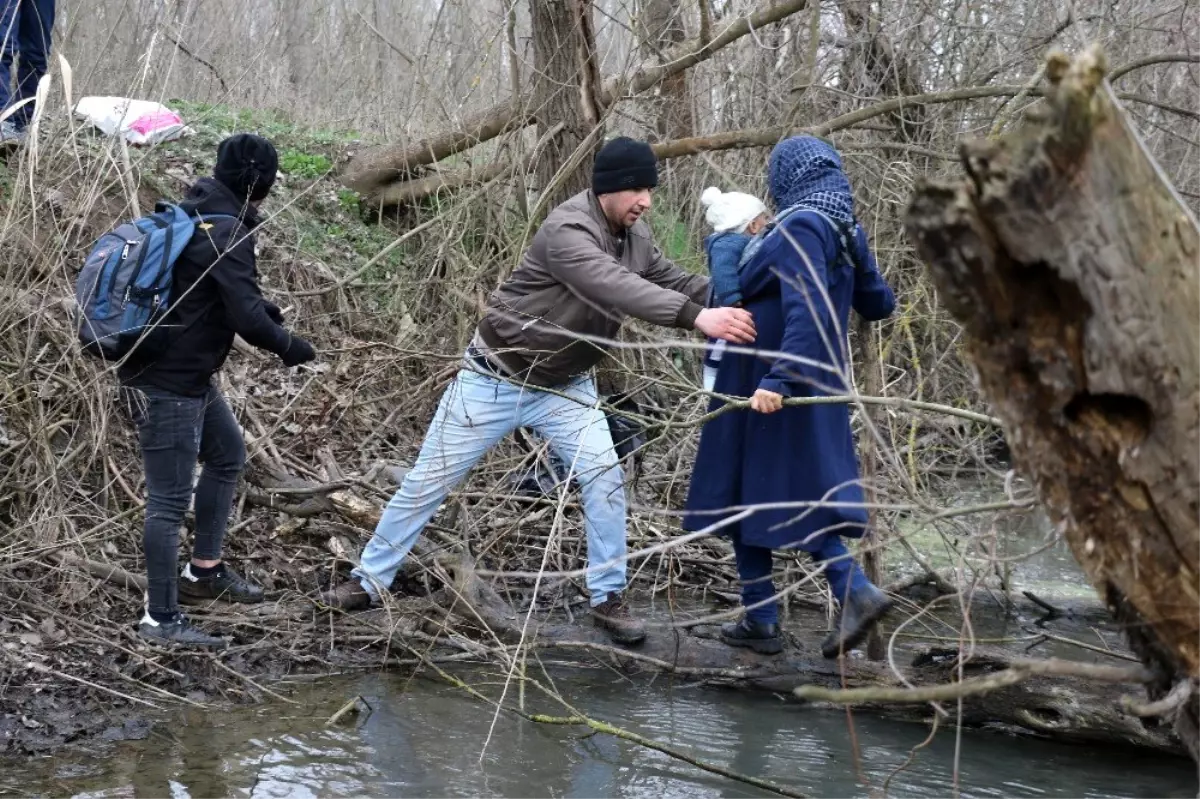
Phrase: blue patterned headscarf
{"type": "Point", "coordinates": [805, 171]}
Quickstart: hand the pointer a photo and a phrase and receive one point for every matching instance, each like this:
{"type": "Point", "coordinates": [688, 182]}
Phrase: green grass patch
{"type": "Point", "coordinates": [304, 165]}
{"type": "Point", "coordinates": [213, 122]}
{"type": "Point", "coordinates": [349, 202]}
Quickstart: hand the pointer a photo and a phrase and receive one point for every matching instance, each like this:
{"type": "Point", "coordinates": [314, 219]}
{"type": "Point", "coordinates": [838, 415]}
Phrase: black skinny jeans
{"type": "Point", "coordinates": [174, 432]}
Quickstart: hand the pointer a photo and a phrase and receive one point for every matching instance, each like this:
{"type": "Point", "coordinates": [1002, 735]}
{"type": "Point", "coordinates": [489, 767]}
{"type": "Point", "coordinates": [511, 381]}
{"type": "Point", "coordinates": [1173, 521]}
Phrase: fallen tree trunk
{"type": "Point", "coordinates": [1066, 701]}
{"type": "Point", "coordinates": [466, 616]}
{"type": "Point", "coordinates": [1071, 263]}
{"type": "Point", "coordinates": [371, 171]}
{"type": "Point", "coordinates": [402, 191]}
{"type": "Point", "coordinates": [1060, 700]}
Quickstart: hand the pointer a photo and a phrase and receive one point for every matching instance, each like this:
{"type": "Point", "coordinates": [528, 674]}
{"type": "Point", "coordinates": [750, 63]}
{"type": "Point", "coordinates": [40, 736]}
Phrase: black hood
{"type": "Point", "coordinates": [211, 196]}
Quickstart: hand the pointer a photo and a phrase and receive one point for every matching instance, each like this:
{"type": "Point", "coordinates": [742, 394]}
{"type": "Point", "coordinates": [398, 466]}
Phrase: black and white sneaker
{"type": "Point", "coordinates": [226, 584]}
{"type": "Point", "coordinates": [178, 632]}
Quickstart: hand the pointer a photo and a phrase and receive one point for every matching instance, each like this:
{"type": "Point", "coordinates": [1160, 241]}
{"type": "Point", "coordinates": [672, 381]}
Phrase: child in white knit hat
{"type": "Point", "coordinates": [736, 218]}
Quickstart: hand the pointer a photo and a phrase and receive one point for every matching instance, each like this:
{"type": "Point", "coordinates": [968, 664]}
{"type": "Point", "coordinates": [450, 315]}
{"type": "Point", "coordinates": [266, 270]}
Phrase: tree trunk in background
{"type": "Point", "coordinates": [806, 49]}
{"type": "Point", "coordinates": [378, 172]}
{"type": "Point", "coordinates": [660, 27]}
{"type": "Point", "coordinates": [294, 27]}
{"type": "Point", "coordinates": [567, 107]}
{"type": "Point", "coordinates": [874, 65]}
{"type": "Point", "coordinates": [1071, 263]}
{"type": "Point", "coordinates": [872, 543]}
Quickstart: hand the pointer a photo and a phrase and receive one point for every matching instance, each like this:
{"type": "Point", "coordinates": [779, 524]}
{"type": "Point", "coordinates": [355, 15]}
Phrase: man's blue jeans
{"type": "Point", "coordinates": [25, 27]}
{"type": "Point", "coordinates": [475, 412]}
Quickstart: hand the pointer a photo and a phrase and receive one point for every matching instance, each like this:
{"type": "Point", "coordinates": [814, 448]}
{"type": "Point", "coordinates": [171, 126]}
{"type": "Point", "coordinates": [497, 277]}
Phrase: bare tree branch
{"type": "Point", "coordinates": [1020, 671]}
{"type": "Point", "coordinates": [1162, 58]}
{"type": "Point", "coordinates": [183, 49]}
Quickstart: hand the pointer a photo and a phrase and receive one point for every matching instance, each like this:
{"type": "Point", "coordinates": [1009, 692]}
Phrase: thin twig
{"type": "Point", "coordinates": [1175, 699]}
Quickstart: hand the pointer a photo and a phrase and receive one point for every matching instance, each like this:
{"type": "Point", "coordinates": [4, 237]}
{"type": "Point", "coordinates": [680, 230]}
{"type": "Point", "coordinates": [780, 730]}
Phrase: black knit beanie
{"type": "Point", "coordinates": [624, 163]}
{"type": "Point", "coordinates": [247, 164]}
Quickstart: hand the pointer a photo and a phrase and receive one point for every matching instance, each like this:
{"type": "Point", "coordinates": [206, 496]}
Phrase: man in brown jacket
{"type": "Point", "coordinates": [590, 265]}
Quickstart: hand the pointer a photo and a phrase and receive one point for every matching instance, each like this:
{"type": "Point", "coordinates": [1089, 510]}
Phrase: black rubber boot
{"type": "Point", "coordinates": [178, 632]}
{"type": "Point", "coordinates": [226, 585]}
{"type": "Point", "coordinates": [754, 635]}
{"type": "Point", "coordinates": [863, 608]}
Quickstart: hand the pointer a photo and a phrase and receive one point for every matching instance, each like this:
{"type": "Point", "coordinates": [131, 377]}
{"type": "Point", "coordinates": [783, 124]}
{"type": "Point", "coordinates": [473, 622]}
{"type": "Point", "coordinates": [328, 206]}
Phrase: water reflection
{"type": "Point", "coordinates": [425, 739]}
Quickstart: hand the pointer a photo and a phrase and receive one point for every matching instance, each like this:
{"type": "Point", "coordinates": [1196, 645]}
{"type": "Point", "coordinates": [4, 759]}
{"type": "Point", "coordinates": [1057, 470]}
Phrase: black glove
{"type": "Point", "coordinates": [298, 352]}
{"type": "Point", "coordinates": [273, 312]}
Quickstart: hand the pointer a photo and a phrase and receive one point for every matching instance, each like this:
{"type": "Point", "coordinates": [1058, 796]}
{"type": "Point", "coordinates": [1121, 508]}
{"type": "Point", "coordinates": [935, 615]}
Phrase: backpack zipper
{"type": "Point", "coordinates": [137, 270]}
{"type": "Point", "coordinates": [112, 279]}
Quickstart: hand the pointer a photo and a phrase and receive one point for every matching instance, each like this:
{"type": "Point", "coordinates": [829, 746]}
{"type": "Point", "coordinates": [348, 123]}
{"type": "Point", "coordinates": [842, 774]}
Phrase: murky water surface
{"type": "Point", "coordinates": [427, 739]}
{"type": "Point", "coordinates": [1019, 543]}
{"type": "Point", "coordinates": [423, 738]}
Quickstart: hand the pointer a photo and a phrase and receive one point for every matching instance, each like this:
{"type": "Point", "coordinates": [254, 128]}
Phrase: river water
{"type": "Point", "coordinates": [425, 738]}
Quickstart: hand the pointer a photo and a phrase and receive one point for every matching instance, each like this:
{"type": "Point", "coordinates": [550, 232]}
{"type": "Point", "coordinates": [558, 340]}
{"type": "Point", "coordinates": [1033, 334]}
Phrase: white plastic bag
{"type": "Point", "coordinates": [138, 121]}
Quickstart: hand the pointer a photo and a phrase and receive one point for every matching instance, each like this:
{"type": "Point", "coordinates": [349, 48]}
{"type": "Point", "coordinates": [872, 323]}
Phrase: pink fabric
{"type": "Point", "coordinates": [151, 122]}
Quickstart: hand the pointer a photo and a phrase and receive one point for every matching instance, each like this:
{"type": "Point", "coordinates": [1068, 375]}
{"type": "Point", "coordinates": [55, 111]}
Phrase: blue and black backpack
{"type": "Point", "coordinates": [124, 289]}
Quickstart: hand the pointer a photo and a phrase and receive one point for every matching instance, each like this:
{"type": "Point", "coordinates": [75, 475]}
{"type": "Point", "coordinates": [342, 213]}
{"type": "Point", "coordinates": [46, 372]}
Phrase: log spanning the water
{"type": "Point", "coordinates": [1061, 700]}
{"type": "Point", "coordinates": [1071, 263]}
{"type": "Point", "coordinates": [1072, 706]}
{"type": "Point", "coordinates": [1066, 707]}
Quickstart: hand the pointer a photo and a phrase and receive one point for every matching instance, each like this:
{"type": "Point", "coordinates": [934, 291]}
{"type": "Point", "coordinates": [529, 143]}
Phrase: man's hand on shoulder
{"type": "Point", "coordinates": [729, 324]}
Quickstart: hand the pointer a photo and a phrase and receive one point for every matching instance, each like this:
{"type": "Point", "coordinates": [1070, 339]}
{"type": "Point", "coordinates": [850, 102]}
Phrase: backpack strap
{"type": "Point", "coordinates": [163, 207]}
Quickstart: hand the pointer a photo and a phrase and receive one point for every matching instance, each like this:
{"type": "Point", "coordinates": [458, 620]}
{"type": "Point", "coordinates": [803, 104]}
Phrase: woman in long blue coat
{"type": "Point", "coordinates": [800, 284]}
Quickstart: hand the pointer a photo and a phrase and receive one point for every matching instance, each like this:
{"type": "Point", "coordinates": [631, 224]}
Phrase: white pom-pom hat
{"type": "Point", "coordinates": [730, 210]}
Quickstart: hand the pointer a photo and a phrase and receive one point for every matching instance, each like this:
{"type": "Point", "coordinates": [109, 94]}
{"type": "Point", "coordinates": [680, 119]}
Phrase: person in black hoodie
{"type": "Point", "coordinates": [181, 417]}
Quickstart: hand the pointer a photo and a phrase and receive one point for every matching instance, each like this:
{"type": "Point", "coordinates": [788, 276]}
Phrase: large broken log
{"type": "Point", "coordinates": [1072, 264]}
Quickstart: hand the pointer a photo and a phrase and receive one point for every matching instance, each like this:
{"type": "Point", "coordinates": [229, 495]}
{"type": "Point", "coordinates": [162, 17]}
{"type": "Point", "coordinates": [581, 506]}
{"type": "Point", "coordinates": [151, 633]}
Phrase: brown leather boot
{"type": "Point", "coordinates": [613, 615]}
{"type": "Point", "coordinates": [350, 595]}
